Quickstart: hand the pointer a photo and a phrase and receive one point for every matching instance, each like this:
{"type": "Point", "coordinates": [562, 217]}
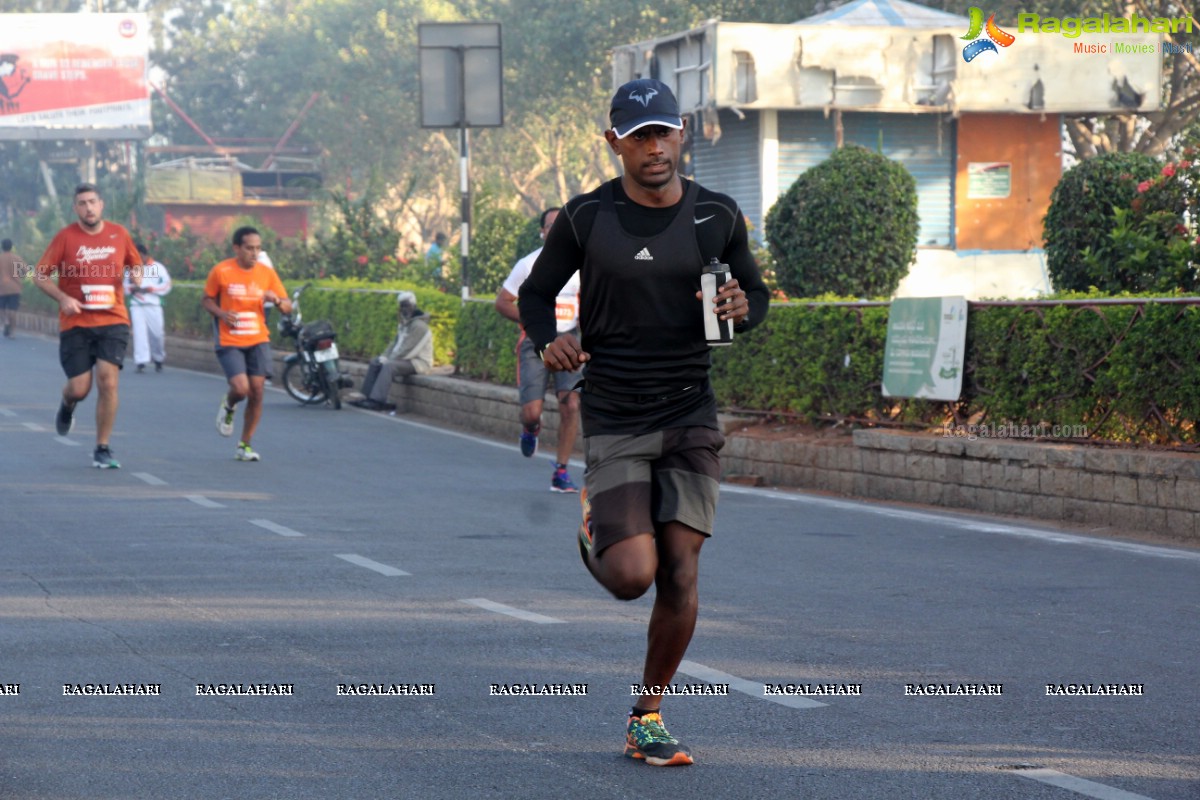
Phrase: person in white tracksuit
{"type": "Point", "coordinates": [145, 312]}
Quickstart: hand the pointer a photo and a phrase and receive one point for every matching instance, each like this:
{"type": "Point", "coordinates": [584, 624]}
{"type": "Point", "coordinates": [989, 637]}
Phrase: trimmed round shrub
{"type": "Point", "coordinates": [848, 226]}
{"type": "Point", "coordinates": [1079, 251]}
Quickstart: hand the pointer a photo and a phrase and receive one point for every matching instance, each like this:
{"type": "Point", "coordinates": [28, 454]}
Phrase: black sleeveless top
{"type": "Point", "coordinates": [643, 326]}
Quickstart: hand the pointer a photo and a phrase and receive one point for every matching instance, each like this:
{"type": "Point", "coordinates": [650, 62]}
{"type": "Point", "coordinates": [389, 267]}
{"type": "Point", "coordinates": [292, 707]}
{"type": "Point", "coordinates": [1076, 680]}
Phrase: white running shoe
{"type": "Point", "coordinates": [244, 453]}
{"type": "Point", "coordinates": [225, 418]}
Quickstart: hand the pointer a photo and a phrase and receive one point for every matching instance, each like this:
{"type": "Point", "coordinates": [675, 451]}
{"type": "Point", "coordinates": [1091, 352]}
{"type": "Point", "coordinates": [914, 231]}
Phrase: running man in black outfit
{"type": "Point", "coordinates": [649, 414]}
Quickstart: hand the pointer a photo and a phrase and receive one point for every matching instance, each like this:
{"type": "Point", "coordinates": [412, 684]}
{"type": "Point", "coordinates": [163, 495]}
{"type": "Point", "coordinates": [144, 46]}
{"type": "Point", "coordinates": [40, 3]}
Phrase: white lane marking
{"type": "Point", "coordinates": [33, 426]}
{"type": "Point", "coordinates": [275, 528]}
{"type": "Point", "coordinates": [203, 501]}
{"type": "Point", "coordinates": [1070, 782]}
{"type": "Point", "coordinates": [66, 441]}
{"type": "Point", "coordinates": [1054, 537]}
{"type": "Point", "coordinates": [150, 479]}
{"type": "Point", "coordinates": [755, 690]}
{"type": "Point", "coordinates": [382, 569]}
{"type": "Point", "coordinates": [7, 412]}
{"type": "Point", "coordinates": [500, 608]}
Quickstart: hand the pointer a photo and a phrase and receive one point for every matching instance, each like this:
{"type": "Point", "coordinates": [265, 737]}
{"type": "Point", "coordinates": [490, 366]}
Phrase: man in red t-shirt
{"type": "Point", "coordinates": [91, 258]}
{"type": "Point", "coordinates": [234, 294]}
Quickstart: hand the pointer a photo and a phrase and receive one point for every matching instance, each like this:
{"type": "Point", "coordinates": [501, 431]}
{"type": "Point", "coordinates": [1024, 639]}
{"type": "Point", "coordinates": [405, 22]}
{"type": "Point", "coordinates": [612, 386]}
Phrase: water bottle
{"type": "Point", "coordinates": [717, 331]}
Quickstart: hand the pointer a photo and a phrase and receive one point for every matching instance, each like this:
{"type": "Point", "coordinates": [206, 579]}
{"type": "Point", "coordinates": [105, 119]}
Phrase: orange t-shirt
{"type": "Point", "coordinates": [91, 268]}
{"type": "Point", "coordinates": [241, 291]}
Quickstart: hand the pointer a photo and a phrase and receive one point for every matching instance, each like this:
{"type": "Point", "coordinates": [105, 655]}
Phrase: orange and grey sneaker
{"type": "Point", "coordinates": [648, 740]}
{"type": "Point", "coordinates": [585, 527]}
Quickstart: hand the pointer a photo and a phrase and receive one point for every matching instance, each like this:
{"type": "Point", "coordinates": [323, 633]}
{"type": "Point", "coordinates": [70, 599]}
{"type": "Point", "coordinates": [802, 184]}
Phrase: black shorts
{"type": "Point", "coordinates": [10, 302]}
{"type": "Point", "coordinates": [80, 348]}
{"type": "Point", "coordinates": [251, 361]}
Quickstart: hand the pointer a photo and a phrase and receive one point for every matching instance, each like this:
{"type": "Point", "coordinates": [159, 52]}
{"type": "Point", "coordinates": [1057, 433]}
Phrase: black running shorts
{"type": "Point", "coordinates": [637, 483]}
{"type": "Point", "coordinates": [80, 348]}
{"type": "Point", "coordinates": [252, 360]}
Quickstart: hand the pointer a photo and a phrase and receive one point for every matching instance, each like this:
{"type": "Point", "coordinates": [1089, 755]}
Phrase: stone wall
{"type": "Point", "coordinates": [1126, 488]}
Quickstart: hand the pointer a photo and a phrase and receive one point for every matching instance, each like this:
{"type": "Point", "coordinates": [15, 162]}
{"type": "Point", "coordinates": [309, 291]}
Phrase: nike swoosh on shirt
{"type": "Point", "coordinates": [705, 219]}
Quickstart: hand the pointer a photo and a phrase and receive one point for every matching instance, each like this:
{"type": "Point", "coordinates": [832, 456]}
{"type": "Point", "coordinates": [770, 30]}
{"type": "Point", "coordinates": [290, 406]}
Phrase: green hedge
{"type": "Point", "coordinates": [365, 319]}
{"type": "Point", "coordinates": [486, 344]}
{"type": "Point", "coordinates": [1122, 372]}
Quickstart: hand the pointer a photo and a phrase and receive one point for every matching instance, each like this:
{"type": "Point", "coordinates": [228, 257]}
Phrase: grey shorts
{"type": "Point", "coordinates": [253, 360]}
{"type": "Point", "coordinates": [635, 484]}
{"type": "Point", "coordinates": [533, 377]}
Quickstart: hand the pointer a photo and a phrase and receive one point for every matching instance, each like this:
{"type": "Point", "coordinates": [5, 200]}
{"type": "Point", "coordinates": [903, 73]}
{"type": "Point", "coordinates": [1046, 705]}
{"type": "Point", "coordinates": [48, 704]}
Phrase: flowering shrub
{"type": "Point", "coordinates": [1153, 242]}
{"type": "Point", "coordinates": [1079, 252]}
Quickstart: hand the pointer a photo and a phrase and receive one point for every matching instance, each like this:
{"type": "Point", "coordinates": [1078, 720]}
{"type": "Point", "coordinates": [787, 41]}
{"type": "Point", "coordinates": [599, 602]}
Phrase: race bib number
{"type": "Point", "coordinates": [97, 297]}
{"type": "Point", "coordinates": [246, 324]}
{"type": "Point", "coordinates": [565, 310]}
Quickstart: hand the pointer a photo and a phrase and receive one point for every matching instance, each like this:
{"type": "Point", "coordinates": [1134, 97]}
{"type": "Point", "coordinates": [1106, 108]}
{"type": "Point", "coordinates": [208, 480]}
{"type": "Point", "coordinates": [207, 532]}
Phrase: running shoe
{"type": "Point", "coordinates": [585, 527]}
{"type": "Point", "coordinates": [561, 482]}
{"type": "Point", "coordinates": [648, 740]}
{"type": "Point", "coordinates": [158, 366]}
{"type": "Point", "coordinates": [65, 421]}
{"type": "Point", "coordinates": [529, 441]}
{"type": "Point", "coordinates": [225, 418]}
{"type": "Point", "coordinates": [244, 453]}
{"type": "Point", "coordinates": [102, 458]}
{"type": "Point", "coordinates": [140, 369]}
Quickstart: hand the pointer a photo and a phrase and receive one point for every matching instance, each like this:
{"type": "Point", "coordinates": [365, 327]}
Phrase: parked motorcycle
{"type": "Point", "coordinates": [311, 374]}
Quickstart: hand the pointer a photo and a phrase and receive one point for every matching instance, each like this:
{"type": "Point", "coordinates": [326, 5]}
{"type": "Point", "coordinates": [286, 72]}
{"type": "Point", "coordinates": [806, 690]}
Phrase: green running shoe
{"type": "Point", "coordinates": [646, 739]}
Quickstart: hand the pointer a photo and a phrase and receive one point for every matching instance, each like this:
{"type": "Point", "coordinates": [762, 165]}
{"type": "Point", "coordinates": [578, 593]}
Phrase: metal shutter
{"type": "Point", "coordinates": [806, 139]}
{"type": "Point", "coordinates": [733, 166]}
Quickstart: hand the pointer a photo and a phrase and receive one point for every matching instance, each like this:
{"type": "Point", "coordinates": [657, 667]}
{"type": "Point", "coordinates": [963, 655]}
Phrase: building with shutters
{"type": "Point", "coordinates": [973, 110]}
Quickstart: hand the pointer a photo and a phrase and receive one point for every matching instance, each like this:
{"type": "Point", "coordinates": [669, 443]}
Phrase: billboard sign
{"type": "Point", "coordinates": [74, 76]}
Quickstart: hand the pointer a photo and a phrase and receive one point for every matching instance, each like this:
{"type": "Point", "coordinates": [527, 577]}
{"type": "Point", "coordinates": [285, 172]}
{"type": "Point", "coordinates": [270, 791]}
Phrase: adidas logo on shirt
{"type": "Point", "coordinates": [643, 255]}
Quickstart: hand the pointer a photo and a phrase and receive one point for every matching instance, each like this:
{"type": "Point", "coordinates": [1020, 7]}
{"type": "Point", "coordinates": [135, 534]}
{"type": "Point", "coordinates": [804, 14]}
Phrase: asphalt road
{"type": "Point", "coordinates": [367, 549]}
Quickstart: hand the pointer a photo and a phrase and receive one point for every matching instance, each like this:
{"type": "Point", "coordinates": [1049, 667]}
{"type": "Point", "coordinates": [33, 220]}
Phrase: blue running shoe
{"type": "Point", "coordinates": [529, 441]}
{"type": "Point", "coordinates": [102, 458]}
{"type": "Point", "coordinates": [561, 482]}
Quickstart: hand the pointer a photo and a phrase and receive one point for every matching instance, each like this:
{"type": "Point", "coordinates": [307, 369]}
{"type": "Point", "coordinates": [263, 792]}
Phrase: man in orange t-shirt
{"type": "Point", "coordinates": [91, 257]}
{"type": "Point", "coordinates": [234, 294]}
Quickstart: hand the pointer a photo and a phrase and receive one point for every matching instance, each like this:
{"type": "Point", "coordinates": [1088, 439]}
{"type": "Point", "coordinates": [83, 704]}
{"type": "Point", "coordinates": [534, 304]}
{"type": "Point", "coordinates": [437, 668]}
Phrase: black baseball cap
{"type": "Point", "coordinates": [643, 102]}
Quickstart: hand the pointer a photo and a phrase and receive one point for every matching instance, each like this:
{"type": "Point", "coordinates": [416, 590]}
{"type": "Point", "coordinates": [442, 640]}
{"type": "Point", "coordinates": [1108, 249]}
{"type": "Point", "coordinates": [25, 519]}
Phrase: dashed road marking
{"type": "Point", "coordinates": [203, 501]}
{"type": "Point", "coordinates": [150, 479]}
{"type": "Point", "coordinates": [1085, 787]}
{"type": "Point", "coordinates": [509, 611]}
{"type": "Point", "coordinates": [275, 528]}
{"type": "Point", "coordinates": [382, 569]}
{"type": "Point", "coordinates": [755, 690]}
{"type": "Point", "coordinates": [33, 426]}
{"type": "Point", "coordinates": [66, 441]}
{"type": "Point", "coordinates": [7, 412]}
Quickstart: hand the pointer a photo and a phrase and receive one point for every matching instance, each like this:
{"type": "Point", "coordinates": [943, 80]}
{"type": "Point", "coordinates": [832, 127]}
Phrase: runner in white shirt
{"type": "Point", "coordinates": [532, 375]}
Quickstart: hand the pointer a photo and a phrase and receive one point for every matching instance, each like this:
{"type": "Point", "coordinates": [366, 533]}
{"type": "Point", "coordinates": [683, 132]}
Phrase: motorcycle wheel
{"type": "Point", "coordinates": [305, 391]}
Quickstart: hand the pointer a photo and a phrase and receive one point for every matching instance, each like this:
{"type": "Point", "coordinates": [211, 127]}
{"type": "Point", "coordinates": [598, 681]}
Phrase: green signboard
{"type": "Point", "coordinates": [989, 180]}
{"type": "Point", "coordinates": [926, 339]}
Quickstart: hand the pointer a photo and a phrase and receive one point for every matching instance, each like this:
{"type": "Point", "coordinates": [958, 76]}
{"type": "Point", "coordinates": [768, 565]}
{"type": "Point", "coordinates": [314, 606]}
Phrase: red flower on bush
{"type": "Point", "coordinates": [1143, 186]}
{"type": "Point", "coordinates": [362, 260]}
{"type": "Point", "coordinates": [1185, 164]}
{"type": "Point", "coordinates": [1168, 171]}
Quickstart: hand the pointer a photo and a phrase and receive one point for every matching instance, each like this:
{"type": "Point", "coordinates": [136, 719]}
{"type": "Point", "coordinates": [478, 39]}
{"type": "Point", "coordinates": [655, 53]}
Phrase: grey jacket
{"type": "Point", "coordinates": [413, 342]}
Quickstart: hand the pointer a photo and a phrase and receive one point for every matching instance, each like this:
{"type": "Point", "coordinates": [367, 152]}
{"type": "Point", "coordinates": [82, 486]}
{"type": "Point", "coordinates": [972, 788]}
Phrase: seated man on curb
{"type": "Point", "coordinates": [411, 353]}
